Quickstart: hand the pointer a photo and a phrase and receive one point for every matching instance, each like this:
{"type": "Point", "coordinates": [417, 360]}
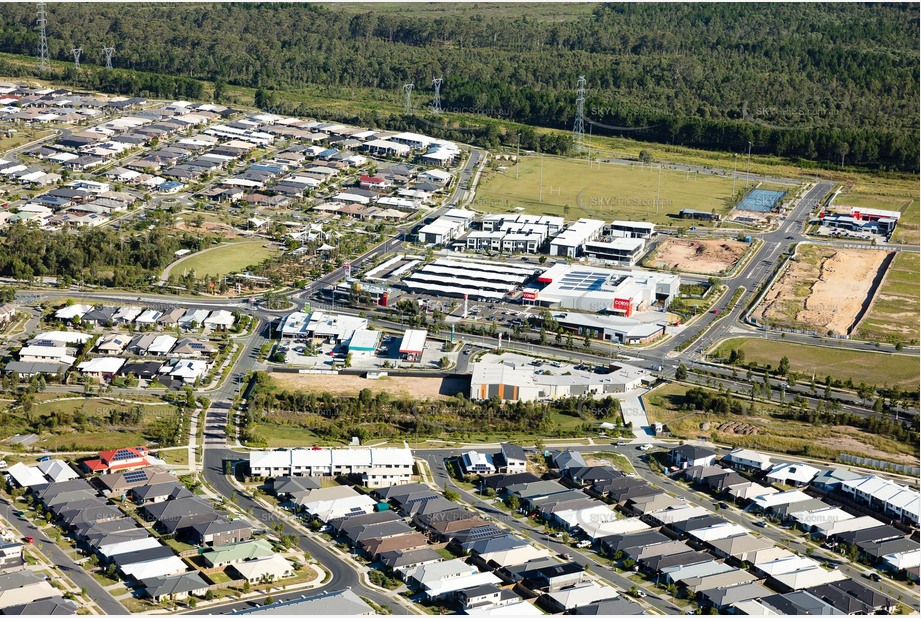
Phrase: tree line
{"type": "Point", "coordinates": [99, 256]}
{"type": "Point", "coordinates": [822, 82]}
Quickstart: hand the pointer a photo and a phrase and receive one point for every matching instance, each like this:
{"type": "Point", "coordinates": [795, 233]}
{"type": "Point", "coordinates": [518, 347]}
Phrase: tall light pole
{"type": "Point", "coordinates": [749, 172]}
{"type": "Point", "coordinates": [735, 164]}
{"type": "Point", "coordinates": [517, 155]}
{"type": "Point", "coordinates": [658, 189]}
{"type": "Point", "coordinates": [540, 190]}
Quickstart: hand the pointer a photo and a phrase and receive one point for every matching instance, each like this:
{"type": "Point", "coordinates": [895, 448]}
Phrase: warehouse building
{"type": "Point", "coordinates": [632, 229]}
{"type": "Point", "coordinates": [611, 328]}
{"type": "Point", "coordinates": [552, 225]}
{"type": "Point", "coordinates": [321, 325]}
{"type": "Point", "coordinates": [622, 251]}
{"type": "Point", "coordinates": [413, 345]}
{"type": "Point", "coordinates": [476, 279]}
{"type": "Point", "coordinates": [571, 242]}
{"type": "Point", "coordinates": [519, 383]}
{"type": "Point", "coordinates": [620, 292]}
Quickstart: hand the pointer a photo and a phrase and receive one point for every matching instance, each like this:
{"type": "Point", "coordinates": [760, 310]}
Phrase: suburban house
{"type": "Point", "coordinates": [510, 459]}
{"type": "Point", "coordinates": [688, 455]}
{"type": "Point", "coordinates": [117, 460]}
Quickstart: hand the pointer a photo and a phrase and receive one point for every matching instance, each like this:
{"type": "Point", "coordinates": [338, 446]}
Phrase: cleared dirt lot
{"type": "Point", "coordinates": [823, 290]}
{"type": "Point", "coordinates": [709, 257]}
{"type": "Point", "coordinates": [398, 386]}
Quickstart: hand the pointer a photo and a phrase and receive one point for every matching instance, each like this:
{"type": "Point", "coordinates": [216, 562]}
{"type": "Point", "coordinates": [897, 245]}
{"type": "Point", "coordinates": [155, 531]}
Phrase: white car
{"type": "Point", "coordinates": [2, 463]}
{"type": "Point", "coordinates": [584, 544]}
{"type": "Point", "coordinates": [646, 447]}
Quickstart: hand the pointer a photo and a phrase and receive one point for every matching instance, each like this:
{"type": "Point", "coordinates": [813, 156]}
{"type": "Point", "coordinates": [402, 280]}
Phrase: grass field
{"type": "Point", "coordinates": [767, 432]}
{"type": "Point", "coordinates": [605, 191]}
{"type": "Point", "coordinates": [98, 433]}
{"type": "Point", "coordinates": [876, 368]}
{"type": "Point", "coordinates": [893, 316]}
{"type": "Point", "coordinates": [224, 259]}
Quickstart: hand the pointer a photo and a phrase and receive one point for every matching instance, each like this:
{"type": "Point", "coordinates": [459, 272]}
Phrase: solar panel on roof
{"type": "Point", "coordinates": [137, 476]}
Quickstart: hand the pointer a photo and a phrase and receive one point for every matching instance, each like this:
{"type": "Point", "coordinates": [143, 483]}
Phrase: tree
{"type": "Point", "coordinates": [587, 342]}
{"type": "Point", "coordinates": [513, 503]}
{"type": "Point", "coordinates": [784, 366]}
{"type": "Point", "coordinates": [681, 373]}
{"type": "Point", "coordinates": [646, 156]}
{"type": "Point", "coordinates": [452, 495]}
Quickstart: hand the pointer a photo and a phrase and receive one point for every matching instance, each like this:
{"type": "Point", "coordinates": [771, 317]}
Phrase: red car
{"type": "Point", "coordinates": [715, 311]}
{"type": "Point", "coordinates": [29, 540]}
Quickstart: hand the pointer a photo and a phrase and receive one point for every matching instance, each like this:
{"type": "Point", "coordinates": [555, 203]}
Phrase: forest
{"type": "Point", "coordinates": [100, 256]}
{"type": "Point", "coordinates": [378, 415]}
{"type": "Point", "coordinates": [832, 82]}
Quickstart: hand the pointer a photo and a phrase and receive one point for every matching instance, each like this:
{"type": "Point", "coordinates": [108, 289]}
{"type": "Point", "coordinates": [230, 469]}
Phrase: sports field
{"type": "Point", "coordinates": [893, 316]}
{"type": "Point", "coordinates": [875, 368]}
{"type": "Point", "coordinates": [572, 189]}
{"type": "Point", "coordinates": [223, 259]}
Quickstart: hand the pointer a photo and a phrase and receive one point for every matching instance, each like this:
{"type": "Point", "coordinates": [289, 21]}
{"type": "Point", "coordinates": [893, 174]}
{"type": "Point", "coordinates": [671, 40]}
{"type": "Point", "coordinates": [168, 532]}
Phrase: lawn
{"type": "Point", "coordinates": [224, 259]}
{"type": "Point", "coordinates": [570, 188]}
{"type": "Point", "coordinates": [893, 316]}
{"type": "Point", "coordinates": [875, 368]}
{"type": "Point", "coordinates": [278, 436]}
{"type": "Point", "coordinates": [766, 430]}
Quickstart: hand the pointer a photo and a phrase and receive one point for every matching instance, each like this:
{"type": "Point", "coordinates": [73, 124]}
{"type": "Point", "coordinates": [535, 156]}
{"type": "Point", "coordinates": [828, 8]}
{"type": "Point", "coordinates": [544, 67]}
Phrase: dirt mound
{"type": "Point", "coordinates": [738, 429]}
{"type": "Point", "coordinates": [700, 256]}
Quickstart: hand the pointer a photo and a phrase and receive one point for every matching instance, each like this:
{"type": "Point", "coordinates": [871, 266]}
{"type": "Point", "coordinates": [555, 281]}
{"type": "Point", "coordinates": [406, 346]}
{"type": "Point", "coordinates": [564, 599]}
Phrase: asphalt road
{"type": "Point", "coordinates": [435, 459]}
{"type": "Point", "coordinates": [640, 461]}
{"type": "Point", "coordinates": [55, 554]}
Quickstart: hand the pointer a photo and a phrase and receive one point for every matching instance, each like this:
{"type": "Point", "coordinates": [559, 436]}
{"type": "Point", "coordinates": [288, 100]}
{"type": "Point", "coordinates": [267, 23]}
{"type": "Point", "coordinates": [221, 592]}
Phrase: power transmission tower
{"type": "Point", "coordinates": [578, 129]}
{"type": "Point", "coordinates": [408, 90]}
{"type": "Point", "coordinates": [43, 63]}
{"type": "Point", "coordinates": [436, 104]}
{"type": "Point", "coordinates": [108, 51]}
{"type": "Point", "coordinates": [76, 51]}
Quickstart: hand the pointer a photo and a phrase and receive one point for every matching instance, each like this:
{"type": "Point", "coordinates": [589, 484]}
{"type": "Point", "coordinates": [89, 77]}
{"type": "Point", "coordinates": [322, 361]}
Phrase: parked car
{"type": "Point", "coordinates": [2, 463]}
{"type": "Point", "coordinates": [45, 458]}
{"type": "Point", "coordinates": [873, 577]}
{"type": "Point", "coordinates": [28, 539]}
{"type": "Point", "coordinates": [621, 443]}
{"type": "Point", "coordinates": [584, 544]}
{"type": "Point", "coordinates": [761, 523]}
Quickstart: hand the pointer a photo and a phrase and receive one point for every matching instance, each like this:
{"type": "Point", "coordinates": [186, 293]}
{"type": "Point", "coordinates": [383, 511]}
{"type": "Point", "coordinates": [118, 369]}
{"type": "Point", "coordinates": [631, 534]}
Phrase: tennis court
{"type": "Point", "coordinates": [760, 200]}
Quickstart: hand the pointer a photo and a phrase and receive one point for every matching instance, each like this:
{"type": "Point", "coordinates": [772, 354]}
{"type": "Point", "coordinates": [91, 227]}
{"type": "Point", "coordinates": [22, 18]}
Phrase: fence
{"type": "Point", "coordinates": [882, 465]}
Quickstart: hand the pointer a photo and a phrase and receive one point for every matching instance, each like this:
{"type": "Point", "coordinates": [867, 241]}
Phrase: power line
{"type": "Point", "coordinates": [436, 104]}
{"type": "Point", "coordinates": [76, 51]}
{"type": "Point", "coordinates": [108, 51]}
{"type": "Point", "coordinates": [578, 129]}
{"type": "Point", "coordinates": [43, 63]}
{"type": "Point", "coordinates": [408, 90]}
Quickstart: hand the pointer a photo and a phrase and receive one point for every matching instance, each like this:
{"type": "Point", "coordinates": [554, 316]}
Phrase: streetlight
{"type": "Point", "coordinates": [749, 172]}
